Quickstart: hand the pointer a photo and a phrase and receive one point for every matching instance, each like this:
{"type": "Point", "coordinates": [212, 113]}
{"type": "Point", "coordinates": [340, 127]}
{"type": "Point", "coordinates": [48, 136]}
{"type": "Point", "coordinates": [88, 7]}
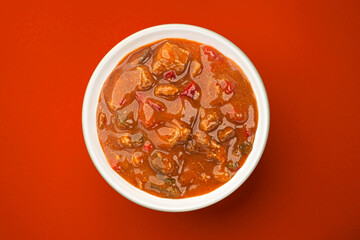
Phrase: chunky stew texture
{"type": "Point", "coordinates": [177, 118]}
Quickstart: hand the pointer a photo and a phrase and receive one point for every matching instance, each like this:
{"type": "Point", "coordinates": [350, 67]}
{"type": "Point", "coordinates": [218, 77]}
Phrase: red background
{"type": "Point", "coordinates": [306, 185]}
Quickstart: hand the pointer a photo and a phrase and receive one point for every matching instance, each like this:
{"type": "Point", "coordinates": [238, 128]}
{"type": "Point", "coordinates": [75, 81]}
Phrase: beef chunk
{"type": "Point", "coordinates": [226, 134]}
{"type": "Point", "coordinates": [209, 122]}
{"type": "Point", "coordinates": [167, 90]}
{"type": "Point", "coordinates": [170, 56]}
{"type": "Point", "coordinates": [162, 162]}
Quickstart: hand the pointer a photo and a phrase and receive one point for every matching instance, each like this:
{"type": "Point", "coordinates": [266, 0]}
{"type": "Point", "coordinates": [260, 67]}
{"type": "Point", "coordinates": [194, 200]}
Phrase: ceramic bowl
{"type": "Point", "coordinates": [91, 99]}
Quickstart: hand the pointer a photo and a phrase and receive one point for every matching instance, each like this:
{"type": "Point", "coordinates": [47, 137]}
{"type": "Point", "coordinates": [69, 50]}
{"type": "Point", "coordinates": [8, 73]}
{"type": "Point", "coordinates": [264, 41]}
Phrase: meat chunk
{"type": "Point", "coordinates": [221, 174]}
{"type": "Point", "coordinates": [139, 78]}
{"type": "Point", "coordinates": [167, 90]}
{"type": "Point", "coordinates": [172, 135]}
{"type": "Point", "coordinates": [145, 79]}
{"type": "Point", "coordinates": [195, 68]}
{"type": "Point", "coordinates": [170, 56]}
{"type": "Point", "coordinates": [202, 139]}
{"type": "Point", "coordinates": [217, 152]}
{"type": "Point", "coordinates": [137, 158]}
{"type": "Point", "coordinates": [225, 134]}
{"type": "Point", "coordinates": [209, 122]}
{"type": "Point", "coordinates": [129, 140]}
{"type": "Point", "coordinates": [202, 143]}
{"type": "Point", "coordinates": [184, 134]}
{"type": "Point", "coordinates": [161, 162]}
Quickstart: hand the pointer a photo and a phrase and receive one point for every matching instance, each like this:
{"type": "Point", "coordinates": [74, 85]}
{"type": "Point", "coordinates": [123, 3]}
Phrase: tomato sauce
{"type": "Point", "coordinates": [177, 118]}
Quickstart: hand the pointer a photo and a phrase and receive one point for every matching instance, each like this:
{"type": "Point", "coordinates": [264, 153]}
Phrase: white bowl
{"type": "Point", "coordinates": [103, 70]}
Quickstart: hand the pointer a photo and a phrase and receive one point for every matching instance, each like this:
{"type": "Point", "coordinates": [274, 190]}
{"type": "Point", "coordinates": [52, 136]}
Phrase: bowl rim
{"type": "Point", "coordinates": [187, 206]}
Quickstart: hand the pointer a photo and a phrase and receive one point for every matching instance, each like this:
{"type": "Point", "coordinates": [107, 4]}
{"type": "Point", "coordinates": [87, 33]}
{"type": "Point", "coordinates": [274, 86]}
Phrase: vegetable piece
{"type": "Point", "coordinates": [208, 51]}
{"type": "Point", "coordinates": [225, 134]}
{"type": "Point", "coordinates": [209, 122]}
{"type": "Point", "coordinates": [143, 100]}
{"type": "Point", "coordinates": [191, 90]}
{"type": "Point", "coordinates": [170, 56]}
{"type": "Point", "coordinates": [117, 168]}
{"type": "Point", "coordinates": [245, 148]}
{"type": "Point", "coordinates": [232, 165]}
{"type": "Point", "coordinates": [124, 119]}
{"type": "Point", "coordinates": [140, 97]}
{"type": "Point", "coordinates": [227, 86]}
{"type": "Point", "coordinates": [167, 90]}
{"type": "Point", "coordinates": [147, 146]}
{"type": "Point", "coordinates": [145, 56]}
{"type": "Point", "coordinates": [230, 87]}
{"type": "Point", "coordinates": [247, 133]}
{"type": "Point", "coordinates": [102, 120]}
{"type": "Point", "coordinates": [122, 102]}
{"type": "Point", "coordinates": [161, 162]}
{"type": "Point", "coordinates": [169, 180]}
{"type": "Point", "coordinates": [140, 57]}
{"type": "Point", "coordinates": [211, 53]}
{"type": "Point", "coordinates": [157, 105]}
{"type": "Point", "coordinates": [169, 75]}
{"type": "Point", "coordinates": [169, 192]}
{"type": "Point", "coordinates": [137, 139]}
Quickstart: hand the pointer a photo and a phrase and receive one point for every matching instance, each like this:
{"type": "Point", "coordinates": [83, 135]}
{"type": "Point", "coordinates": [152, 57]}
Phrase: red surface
{"type": "Point", "coordinates": [306, 185]}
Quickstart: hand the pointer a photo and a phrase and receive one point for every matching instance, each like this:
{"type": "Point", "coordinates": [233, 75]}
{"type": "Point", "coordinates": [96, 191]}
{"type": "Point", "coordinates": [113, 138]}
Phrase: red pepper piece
{"type": "Point", "coordinates": [247, 133]}
{"type": "Point", "coordinates": [117, 168]}
{"type": "Point", "coordinates": [140, 97]}
{"type": "Point", "coordinates": [190, 90]}
{"type": "Point", "coordinates": [154, 105]}
{"type": "Point", "coordinates": [147, 146]}
{"type": "Point", "coordinates": [169, 75]}
{"type": "Point", "coordinates": [122, 102]}
{"type": "Point", "coordinates": [148, 124]}
{"type": "Point", "coordinates": [211, 53]}
{"type": "Point", "coordinates": [226, 85]}
{"type": "Point", "coordinates": [230, 87]}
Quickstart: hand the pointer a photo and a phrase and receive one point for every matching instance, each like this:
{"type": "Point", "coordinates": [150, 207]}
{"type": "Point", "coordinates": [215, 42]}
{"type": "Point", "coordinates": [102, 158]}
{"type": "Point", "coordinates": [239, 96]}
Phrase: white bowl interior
{"type": "Point", "coordinates": [109, 62]}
